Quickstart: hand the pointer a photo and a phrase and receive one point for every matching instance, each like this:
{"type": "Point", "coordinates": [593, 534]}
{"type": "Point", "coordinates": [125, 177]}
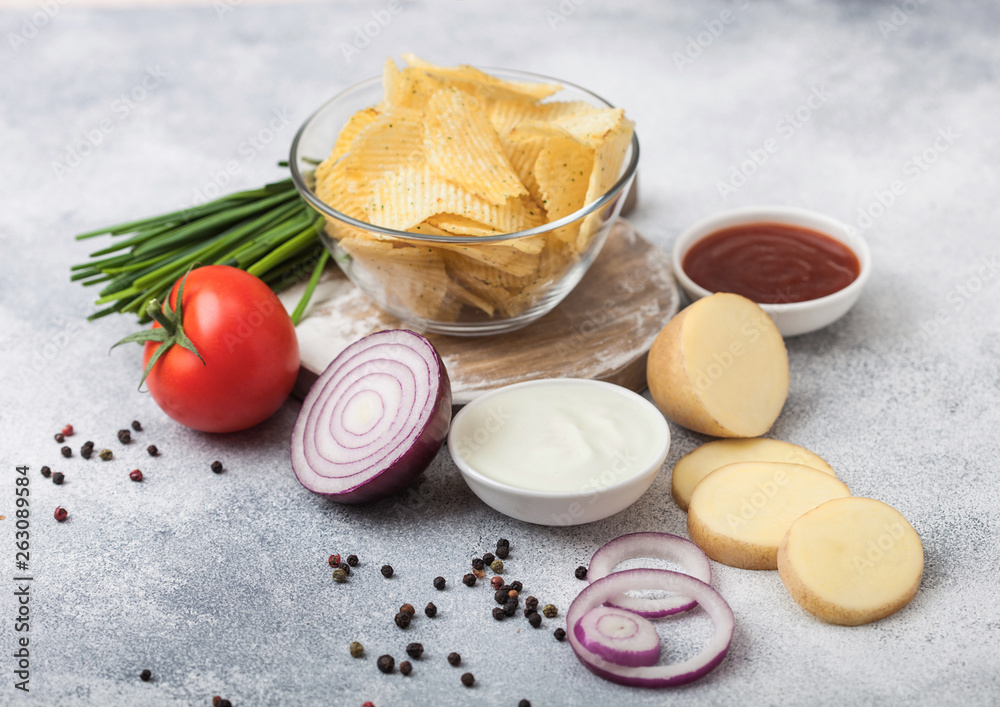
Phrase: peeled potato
{"type": "Point", "coordinates": [720, 367]}
{"type": "Point", "coordinates": [740, 512]}
{"type": "Point", "coordinates": [851, 561]}
{"type": "Point", "coordinates": [696, 465]}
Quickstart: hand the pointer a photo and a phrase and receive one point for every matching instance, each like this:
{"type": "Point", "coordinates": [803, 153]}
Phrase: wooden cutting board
{"type": "Point", "coordinates": [602, 330]}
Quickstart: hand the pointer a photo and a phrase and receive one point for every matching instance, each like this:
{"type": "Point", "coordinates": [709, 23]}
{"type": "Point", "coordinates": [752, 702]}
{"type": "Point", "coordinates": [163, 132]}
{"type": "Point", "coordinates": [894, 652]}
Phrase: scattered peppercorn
{"type": "Point", "coordinates": [516, 586]}
{"type": "Point", "coordinates": [405, 667]}
{"type": "Point", "coordinates": [500, 596]}
{"type": "Point", "coordinates": [468, 679]}
{"type": "Point", "coordinates": [581, 572]}
{"type": "Point", "coordinates": [385, 663]}
{"type": "Point", "coordinates": [550, 611]}
{"type": "Point", "coordinates": [469, 580]}
{"type": "Point", "coordinates": [531, 602]}
{"type": "Point", "coordinates": [217, 466]}
{"type": "Point", "coordinates": [510, 607]}
{"type": "Point", "coordinates": [60, 437]}
{"type": "Point", "coordinates": [497, 582]}
{"type": "Point", "coordinates": [402, 620]}
{"type": "Point", "coordinates": [146, 675]}
{"type": "Point", "coordinates": [339, 576]}
{"type": "Point", "coordinates": [523, 703]}
{"type": "Point", "coordinates": [152, 450]}
{"type": "Point", "coordinates": [439, 583]}
{"type": "Point", "coordinates": [346, 567]}
{"type": "Point", "coordinates": [454, 659]}
{"type": "Point", "coordinates": [560, 634]}
{"type": "Point", "coordinates": [124, 436]}
{"type": "Point", "coordinates": [216, 700]}
{"type": "Point", "coordinates": [477, 563]}
{"type": "Point", "coordinates": [479, 574]}
{"type": "Point", "coordinates": [357, 650]}
{"type": "Point", "coordinates": [135, 475]}
{"type": "Point", "coordinates": [503, 548]}
{"type": "Point", "coordinates": [488, 558]}
{"type": "Point", "coordinates": [46, 471]}
{"type": "Point", "coordinates": [415, 650]}
{"type": "Point", "coordinates": [497, 566]}
{"type": "Point", "coordinates": [67, 430]}
{"type": "Point", "coordinates": [106, 455]}
{"type": "Point", "coordinates": [528, 611]}
{"type": "Point", "coordinates": [430, 610]}
{"type": "Point", "coordinates": [535, 620]}
{"type": "Point", "coordinates": [407, 609]}
{"type": "Point", "coordinates": [136, 426]}
{"type": "Point", "coordinates": [88, 444]}
{"type": "Point", "coordinates": [86, 451]}
{"type": "Point", "coordinates": [61, 514]}
{"type": "Point", "coordinates": [352, 560]}
{"type": "Point", "coordinates": [66, 452]}
{"type": "Point", "coordinates": [498, 613]}
{"type": "Point", "coordinates": [57, 478]}
{"type": "Point", "coordinates": [387, 571]}
{"type": "Point", "coordinates": [334, 560]}
{"type": "Point", "coordinates": [225, 703]}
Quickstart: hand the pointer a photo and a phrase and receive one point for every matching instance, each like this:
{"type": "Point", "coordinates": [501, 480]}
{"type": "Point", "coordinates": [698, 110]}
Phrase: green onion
{"type": "Point", "coordinates": [270, 232]}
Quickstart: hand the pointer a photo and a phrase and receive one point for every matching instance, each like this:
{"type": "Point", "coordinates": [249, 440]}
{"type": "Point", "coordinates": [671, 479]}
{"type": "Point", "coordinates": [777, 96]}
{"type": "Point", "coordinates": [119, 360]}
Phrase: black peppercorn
{"type": "Point", "coordinates": [124, 436]}
{"type": "Point", "coordinates": [535, 620]}
{"type": "Point", "coordinates": [415, 650]}
{"type": "Point", "coordinates": [468, 679]}
{"type": "Point", "coordinates": [516, 586]}
{"type": "Point", "coordinates": [510, 606]}
{"type": "Point", "coordinates": [385, 663]}
{"type": "Point", "coordinates": [225, 703]}
{"type": "Point", "coordinates": [66, 452]}
{"type": "Point", "coordinates": [469, 580]}
{"type": "Point", "coordinates": [498, 613]}
{"type": "Point", "coordinates": [152, 450]}
{"type": "Point", "coordinates": [386, 571]}
{"type": "Point", "coordinates": [503, 548]}
{"type": "Point", "coordinates": [488, 558]}
{"type": "Point", "coordinates": [405, 667]}
{"type": "Point", "coordinates": [430, 610]}
{"type": "Point", "coordinates": [500, 596]}
{"type": "Point", "coordinates": [217, 467]}
{"type": "Point", "coordinates": [346, 567]}
{"type": "Point", "coordinates": [352, 560]}
{"type": "Point", "coordinates": [58, 478]}
{"type": "Point", "coordinates": [523, 703]}
{"type": "Point", "coordinates": [454, 659]}
{"type": "Point", "coordinates": [86, 452]}
{"type": "Point", "coordinates": [581, 572]}
{"type": "Point", "coordinates": [531, 602]}
{"type": "Point", "coordinates": [136, 426]}
{"type": "Point", "coordinates": [46, 471]}
{"type": "Point", "coordinates": [560, 634]}
{"type": "Point", "coordinates": [477, 563]}
{"type": "Point", "coordinates": [60, 437]}
{"type": "Point", "coordinates": [88, 444]}
{"type": "Point", "coordinates": [402, 619]}
{"type": "Point", "coordinates": [146, 675]}
{"type": "Point", "coordinates": [528, 611]}
{"type": "Point", "coordinates": [407, 609]}
{"type": "Point", "coordinates": [439, 583]}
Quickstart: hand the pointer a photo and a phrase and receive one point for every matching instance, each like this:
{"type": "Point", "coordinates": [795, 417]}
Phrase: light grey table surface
{"type": "Point", "coordinates": [218, 583]}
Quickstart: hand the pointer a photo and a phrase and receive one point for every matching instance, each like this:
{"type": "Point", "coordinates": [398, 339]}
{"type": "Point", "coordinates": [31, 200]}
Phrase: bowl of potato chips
{"type": "Point", "coordinates": [465, 201]}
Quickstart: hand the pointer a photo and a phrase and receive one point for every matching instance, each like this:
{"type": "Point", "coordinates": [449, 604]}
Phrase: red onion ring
{"type": "Point", "coordinates": [619, 636]}
{"type": "Point", "coordinates": [663, 546]}
{"type": "Point", "coordinates": [687, 671]}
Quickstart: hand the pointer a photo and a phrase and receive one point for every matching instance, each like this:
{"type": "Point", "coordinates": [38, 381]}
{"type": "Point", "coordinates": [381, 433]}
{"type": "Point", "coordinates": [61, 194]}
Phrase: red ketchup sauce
{"type": "Point", "coordinates": [771, 263]}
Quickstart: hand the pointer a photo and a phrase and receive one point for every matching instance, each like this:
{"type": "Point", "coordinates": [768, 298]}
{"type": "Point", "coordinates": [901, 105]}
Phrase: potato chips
{"type": "Point", "coordinates": [453, 152]}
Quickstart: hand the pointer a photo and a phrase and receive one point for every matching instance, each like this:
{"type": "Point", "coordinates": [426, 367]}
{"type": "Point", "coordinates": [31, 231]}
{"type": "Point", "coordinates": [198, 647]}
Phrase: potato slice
{"type": "Point", "coordinates": [851, 561]}
{"type": "Point", "coordinates": [720, 367]}
{"type": "Point", "coordinates": [696, 465]}
{"type": "Point", "coordinates": [740, 512]}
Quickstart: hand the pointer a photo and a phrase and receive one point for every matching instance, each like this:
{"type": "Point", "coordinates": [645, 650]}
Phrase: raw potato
{"type": "Point", "coordinates": [696, 465]}
{"type": "Point", "coordinates": [720, 367]}
{"type": "Point", "coordinates": [851, 561]}
{"type": "Point", "coordinates": [740, 512]}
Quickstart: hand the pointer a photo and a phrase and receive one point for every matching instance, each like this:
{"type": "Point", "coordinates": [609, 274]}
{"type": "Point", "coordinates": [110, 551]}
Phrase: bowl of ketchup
{"type": "Point", "coordinates": [803, 268]}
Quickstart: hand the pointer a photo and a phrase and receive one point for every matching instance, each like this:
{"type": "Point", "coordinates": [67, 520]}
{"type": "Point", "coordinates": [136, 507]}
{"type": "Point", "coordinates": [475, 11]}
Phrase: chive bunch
{"type": "Point", "coordinates": [270, 232]}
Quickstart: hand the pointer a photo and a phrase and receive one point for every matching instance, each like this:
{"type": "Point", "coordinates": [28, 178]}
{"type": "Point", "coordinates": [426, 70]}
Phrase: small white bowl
{"type": "Point", "coordinates": [559, 508]}
{"type": "Point", "coordinates": [797, 317]}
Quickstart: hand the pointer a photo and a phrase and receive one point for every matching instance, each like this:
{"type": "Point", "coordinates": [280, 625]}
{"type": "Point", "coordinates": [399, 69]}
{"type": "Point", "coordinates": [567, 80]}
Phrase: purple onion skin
{"type": "Point", "coordinates": [408, 466]}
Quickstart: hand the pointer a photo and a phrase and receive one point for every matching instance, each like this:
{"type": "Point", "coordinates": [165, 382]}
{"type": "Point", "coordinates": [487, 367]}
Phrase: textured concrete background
{"type": "Point", "coordinates": [218, 584]}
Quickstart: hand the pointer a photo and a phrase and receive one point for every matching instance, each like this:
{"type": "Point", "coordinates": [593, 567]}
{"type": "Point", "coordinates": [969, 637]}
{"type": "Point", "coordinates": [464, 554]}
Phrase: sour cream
{"type": "Point", "coordinates": [560, 436]}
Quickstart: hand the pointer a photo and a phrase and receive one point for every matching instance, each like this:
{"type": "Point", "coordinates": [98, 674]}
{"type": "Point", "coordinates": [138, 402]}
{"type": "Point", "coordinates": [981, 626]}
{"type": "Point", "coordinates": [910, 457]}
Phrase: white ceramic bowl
{"type": "Point", "coordinates": [797, 317]}
{"type": "Point", "coordinates": [559, 508]}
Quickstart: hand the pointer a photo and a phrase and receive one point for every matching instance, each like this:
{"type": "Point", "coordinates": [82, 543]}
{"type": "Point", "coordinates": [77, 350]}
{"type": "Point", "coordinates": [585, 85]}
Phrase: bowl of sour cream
{"type": "Point", "coordinates": [559, 451]}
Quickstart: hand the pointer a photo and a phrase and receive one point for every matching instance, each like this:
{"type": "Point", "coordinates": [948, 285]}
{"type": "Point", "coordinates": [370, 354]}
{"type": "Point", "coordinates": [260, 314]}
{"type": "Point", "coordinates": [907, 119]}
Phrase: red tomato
{"type": "Point", "coordinates": [250, 352]}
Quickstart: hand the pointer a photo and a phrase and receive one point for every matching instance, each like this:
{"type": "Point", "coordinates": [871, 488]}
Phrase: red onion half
{"type": "Point", "coordinates": [654, 675]}
{"type": "Point", "coordinates": [619, 636]}
{"type": "Point", "coordinates": [374, 419]}
{"type": "Point", "coordinates": [663, 546]}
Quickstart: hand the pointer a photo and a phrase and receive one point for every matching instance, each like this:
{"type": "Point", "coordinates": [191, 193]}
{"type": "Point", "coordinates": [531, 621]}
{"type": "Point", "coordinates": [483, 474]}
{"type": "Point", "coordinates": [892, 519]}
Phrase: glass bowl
{"type": "Point", "coordinates": [435, 285]}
